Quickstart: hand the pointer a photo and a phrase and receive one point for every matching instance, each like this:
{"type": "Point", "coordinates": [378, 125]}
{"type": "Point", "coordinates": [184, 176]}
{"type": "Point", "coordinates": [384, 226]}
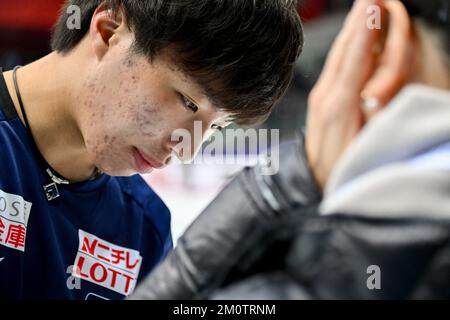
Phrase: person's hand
{"type": "Point", "coordinates": [335, 115]}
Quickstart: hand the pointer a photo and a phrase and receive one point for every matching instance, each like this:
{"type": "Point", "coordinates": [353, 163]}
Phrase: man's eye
{"type": "Point", "coordinates": [189, 104]}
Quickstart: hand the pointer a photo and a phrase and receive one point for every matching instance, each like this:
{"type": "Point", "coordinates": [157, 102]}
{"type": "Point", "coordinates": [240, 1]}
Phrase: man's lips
{"type": "Point", "coordinates": [144, 163]}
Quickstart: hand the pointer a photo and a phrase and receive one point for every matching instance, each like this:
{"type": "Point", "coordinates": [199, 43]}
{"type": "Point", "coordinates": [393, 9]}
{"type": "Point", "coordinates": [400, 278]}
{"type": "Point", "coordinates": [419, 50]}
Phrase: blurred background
{"type": "Point", "coordinates": [25, 29]}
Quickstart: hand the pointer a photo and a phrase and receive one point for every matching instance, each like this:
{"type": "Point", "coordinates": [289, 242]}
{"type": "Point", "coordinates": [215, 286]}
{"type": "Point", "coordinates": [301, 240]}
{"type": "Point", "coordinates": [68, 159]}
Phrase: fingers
{"type": "Point", "coordinates": [337, 51]}
{"type": "Point", "coordinates": [362, 53]}
{"type": "Point", "coordinates": [352, 49]}
{"type": "Point", "coordinates": [393, 68]}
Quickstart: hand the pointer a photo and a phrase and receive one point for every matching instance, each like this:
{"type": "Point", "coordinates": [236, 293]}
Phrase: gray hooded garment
{"type": "Point", "coordinates": [399, 165]}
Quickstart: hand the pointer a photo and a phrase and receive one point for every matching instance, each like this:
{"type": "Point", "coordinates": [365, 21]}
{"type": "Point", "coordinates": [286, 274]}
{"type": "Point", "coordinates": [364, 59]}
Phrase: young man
{"type": "Point", "coordinates": [78, 124]}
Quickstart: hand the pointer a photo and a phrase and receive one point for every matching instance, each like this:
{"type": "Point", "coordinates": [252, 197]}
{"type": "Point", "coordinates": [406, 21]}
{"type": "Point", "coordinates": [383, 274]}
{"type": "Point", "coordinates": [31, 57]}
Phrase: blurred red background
{"type": "Point", "coordinates": [41, 14]}
{"type": "Point", "coordinates": [29, 14]}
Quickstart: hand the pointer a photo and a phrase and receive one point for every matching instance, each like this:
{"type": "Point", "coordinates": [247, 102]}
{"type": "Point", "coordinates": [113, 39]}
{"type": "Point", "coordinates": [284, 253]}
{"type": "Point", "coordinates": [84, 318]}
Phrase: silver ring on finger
{"type": "Point", "coordinates": [370, 103]}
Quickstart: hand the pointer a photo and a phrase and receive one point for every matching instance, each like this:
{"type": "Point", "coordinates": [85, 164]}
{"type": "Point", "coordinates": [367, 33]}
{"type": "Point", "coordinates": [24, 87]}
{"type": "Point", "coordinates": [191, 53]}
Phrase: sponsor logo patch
{"type": "Point", "coordinates": [106, 264]}
{"type": "Point", "coordinates": [14, 215]}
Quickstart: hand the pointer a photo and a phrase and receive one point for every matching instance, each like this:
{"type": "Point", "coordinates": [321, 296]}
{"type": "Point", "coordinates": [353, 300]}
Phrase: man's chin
{"type": "Point", "coordinates": [119, 172]}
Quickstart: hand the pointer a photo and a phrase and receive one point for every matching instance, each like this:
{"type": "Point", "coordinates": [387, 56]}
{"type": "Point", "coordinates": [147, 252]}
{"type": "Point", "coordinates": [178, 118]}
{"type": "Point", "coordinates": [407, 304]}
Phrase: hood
{"type": "Point", "coordinates": [399, 165]}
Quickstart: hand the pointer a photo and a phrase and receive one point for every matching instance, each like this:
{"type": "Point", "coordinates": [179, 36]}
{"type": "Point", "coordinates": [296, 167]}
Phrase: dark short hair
{"type": "Point", "coordinates": [241, 52]}
{"type": "Point", "coordinates": [435, 14]}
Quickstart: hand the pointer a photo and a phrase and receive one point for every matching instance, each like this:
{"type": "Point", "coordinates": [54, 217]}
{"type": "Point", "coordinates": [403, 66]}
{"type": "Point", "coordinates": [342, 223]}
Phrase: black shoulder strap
{"type": "Point", "coordinates": [6, 103]}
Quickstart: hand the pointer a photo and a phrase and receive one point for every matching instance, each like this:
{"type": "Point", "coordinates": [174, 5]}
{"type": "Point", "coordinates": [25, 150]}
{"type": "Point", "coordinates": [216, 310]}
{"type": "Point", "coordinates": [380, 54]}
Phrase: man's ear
{"type": "Point", "coordinates": [395, 58]}
{"type": "Point", "coordinates": [104, 25]}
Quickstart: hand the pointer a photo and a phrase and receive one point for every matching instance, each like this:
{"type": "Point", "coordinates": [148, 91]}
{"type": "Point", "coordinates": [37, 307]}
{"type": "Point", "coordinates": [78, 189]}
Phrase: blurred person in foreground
{"type": "Point", "coordinates": [361, 206]}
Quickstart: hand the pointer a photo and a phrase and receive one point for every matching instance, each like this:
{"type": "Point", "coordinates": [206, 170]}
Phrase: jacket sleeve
{"type": "Point", "coordinates": [240, 219]}
{"type": "Point", "coordinates": [345, 257]}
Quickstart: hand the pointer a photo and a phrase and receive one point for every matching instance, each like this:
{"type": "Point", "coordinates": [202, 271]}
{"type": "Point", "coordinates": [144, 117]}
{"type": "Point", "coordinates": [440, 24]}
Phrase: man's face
{"type": "Point", "coordinates": [131, 107]}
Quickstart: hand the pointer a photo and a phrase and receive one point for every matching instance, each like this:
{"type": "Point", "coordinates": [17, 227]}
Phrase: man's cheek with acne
{"type": "Point", "coordinates": [108, 126]}
{"type": "Point", "coordinates": [148, 118]}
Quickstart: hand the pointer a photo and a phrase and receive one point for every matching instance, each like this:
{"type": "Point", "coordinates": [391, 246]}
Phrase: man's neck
{"type": "Point", "coordinates": [50, 95]}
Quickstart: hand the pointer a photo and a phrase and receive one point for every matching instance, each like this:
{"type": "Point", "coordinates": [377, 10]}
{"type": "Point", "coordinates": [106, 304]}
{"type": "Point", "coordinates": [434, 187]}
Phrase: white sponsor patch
{"type": "Point", "coordinates": [106, 264]}
{"type": "Point", "coordinates": [14, 215]}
